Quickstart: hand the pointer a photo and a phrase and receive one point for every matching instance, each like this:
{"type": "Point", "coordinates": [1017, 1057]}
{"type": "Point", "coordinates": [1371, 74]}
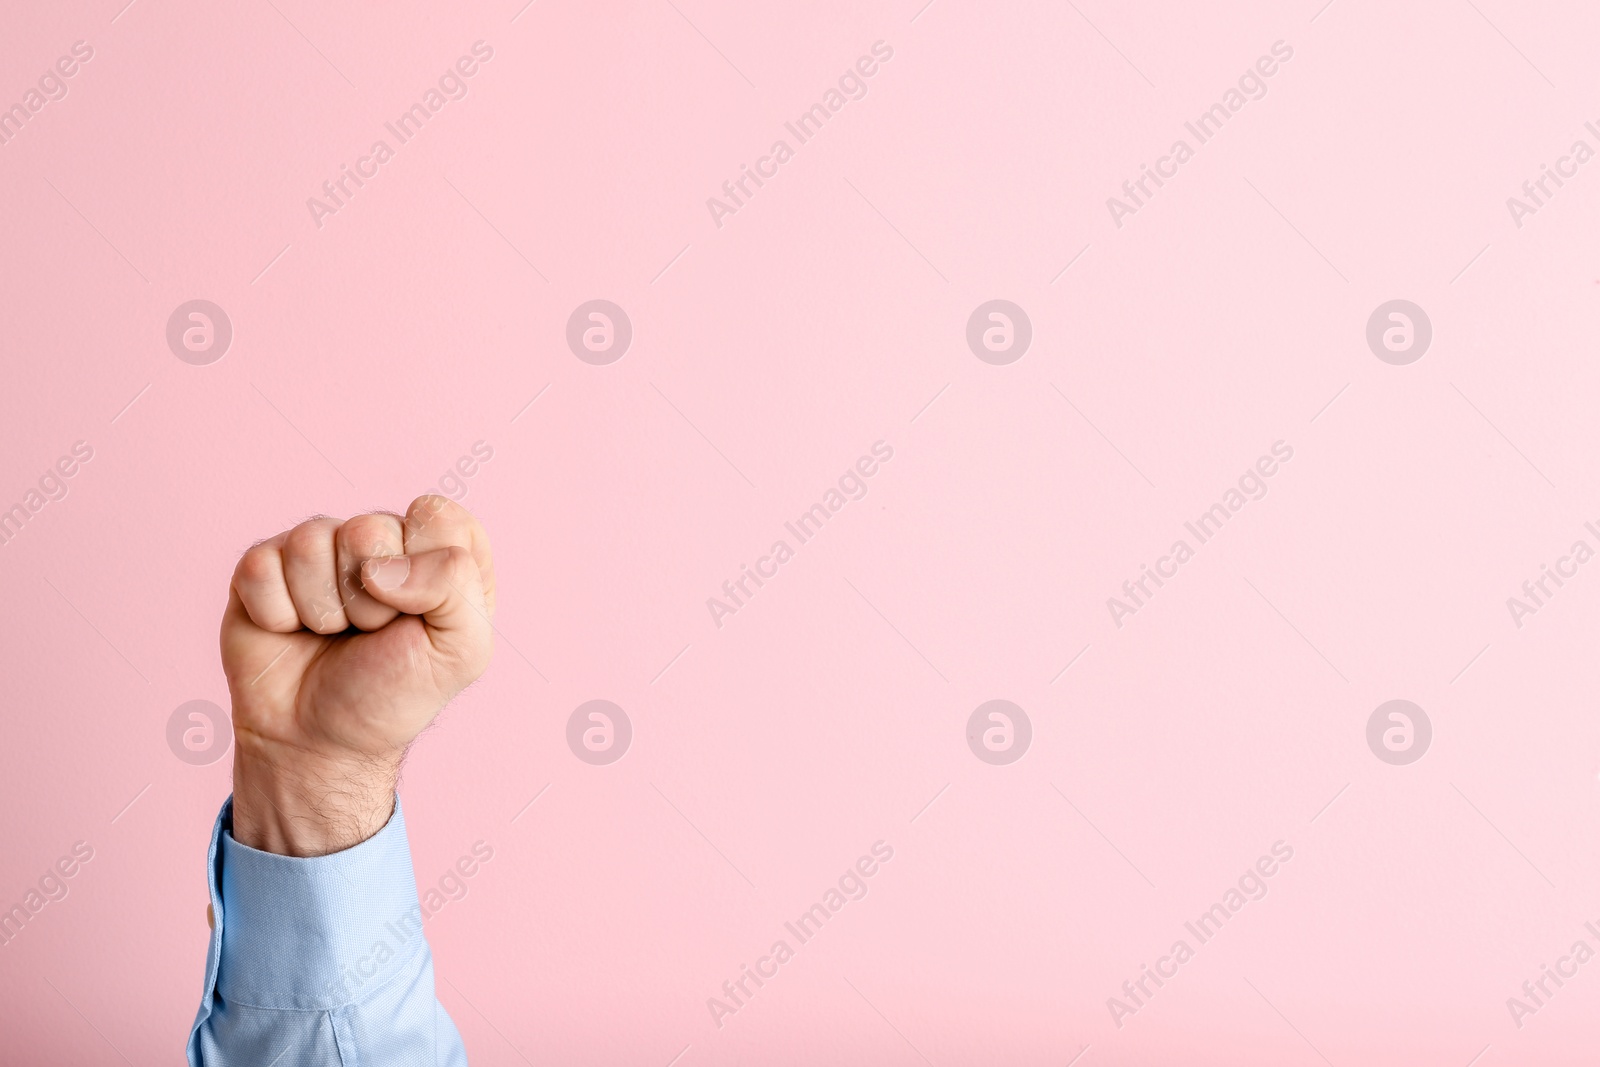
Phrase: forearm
{"type": "Point", "coordinates": [341, 641]}
{"type": "Point", "coordinates": [319, 961]}
{"type": "Point", "coordinates": [297, 803]}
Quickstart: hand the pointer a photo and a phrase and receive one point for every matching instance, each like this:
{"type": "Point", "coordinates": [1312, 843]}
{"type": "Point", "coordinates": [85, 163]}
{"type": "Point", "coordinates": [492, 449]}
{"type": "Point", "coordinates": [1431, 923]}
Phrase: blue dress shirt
{"type": "Point", "coordinates": [320, 961]}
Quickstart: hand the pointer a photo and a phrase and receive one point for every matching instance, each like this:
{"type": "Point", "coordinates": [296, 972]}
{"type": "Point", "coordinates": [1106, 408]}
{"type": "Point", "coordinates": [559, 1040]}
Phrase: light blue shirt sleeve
{"type": "Point", "coordinates": [319, 962]}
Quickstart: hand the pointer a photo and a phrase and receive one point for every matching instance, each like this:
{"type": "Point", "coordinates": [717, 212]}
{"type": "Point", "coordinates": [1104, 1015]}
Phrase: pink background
{"type": "Point", "coordinates": [768, 354]}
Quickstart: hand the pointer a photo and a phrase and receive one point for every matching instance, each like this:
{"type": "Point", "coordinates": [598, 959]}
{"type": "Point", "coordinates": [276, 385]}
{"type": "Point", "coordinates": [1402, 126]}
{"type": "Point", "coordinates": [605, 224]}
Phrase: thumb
{"type": "Point", "coordinates": [443, 586]}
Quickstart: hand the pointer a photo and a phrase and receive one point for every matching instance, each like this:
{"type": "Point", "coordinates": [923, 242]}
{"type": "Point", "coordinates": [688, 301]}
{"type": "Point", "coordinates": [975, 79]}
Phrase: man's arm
{"type": "Point", "coordinates": [341, 642]}
{"type": "Point", "coordinates": [319, 960]}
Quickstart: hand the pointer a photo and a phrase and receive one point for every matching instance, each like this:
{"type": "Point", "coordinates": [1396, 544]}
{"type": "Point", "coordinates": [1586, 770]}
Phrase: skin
{"type": "Point", "coordinates": [342, 640]}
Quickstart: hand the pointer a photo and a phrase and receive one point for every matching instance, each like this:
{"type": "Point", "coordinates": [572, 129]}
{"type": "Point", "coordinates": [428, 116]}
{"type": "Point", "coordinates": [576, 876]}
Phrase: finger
{"type": "Point", "coordinates": [310, 566]}
{"type": "Point", "coordinates": [257, 658]}
{"type": "Point", "coordinates": [358, 539]}
{"type": "Point", "coordinates": [442, 585]}
{"type": "Point", "coordinates": [263, 593]}
{"type": "Point", "coordinates": [434, 521]}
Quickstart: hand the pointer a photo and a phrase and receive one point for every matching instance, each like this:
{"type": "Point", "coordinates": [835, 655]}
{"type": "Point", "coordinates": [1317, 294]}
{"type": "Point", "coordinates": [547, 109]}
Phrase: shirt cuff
{"type": "Point", "coordinates": [314, 933]}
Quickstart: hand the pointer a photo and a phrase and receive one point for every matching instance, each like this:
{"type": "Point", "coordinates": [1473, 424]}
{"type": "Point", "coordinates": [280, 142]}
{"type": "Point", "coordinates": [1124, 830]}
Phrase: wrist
{"type": "Point", "coordinates": [298, 803]}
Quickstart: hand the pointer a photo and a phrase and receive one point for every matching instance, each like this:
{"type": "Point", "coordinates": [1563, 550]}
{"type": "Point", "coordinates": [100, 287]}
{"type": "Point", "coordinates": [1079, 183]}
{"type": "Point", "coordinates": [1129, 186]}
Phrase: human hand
{"type": "Point", "coordinates": [341, 642]}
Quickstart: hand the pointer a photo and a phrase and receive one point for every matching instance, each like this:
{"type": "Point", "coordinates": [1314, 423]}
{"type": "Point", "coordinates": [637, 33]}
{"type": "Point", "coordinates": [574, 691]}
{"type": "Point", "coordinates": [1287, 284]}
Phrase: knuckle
{"type": "Point", "coordinates": [432, 503]}
{"type": "Point", "coordinates": [258, 566]}
{"type": "Point", "coordinates": [366, 536]}
{"type": "Point", "coordinates": [308, 540]}
{"type": "Point", "coordinates": [428, 509]}
{"type": "Point", "coordinates": [440, 520]}
{"type": "Point", "coordinates": [324, 617]}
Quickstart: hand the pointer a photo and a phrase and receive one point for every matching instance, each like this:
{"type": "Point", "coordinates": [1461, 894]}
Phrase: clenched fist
{"type": "Point", "coordinates": [341, 641]}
